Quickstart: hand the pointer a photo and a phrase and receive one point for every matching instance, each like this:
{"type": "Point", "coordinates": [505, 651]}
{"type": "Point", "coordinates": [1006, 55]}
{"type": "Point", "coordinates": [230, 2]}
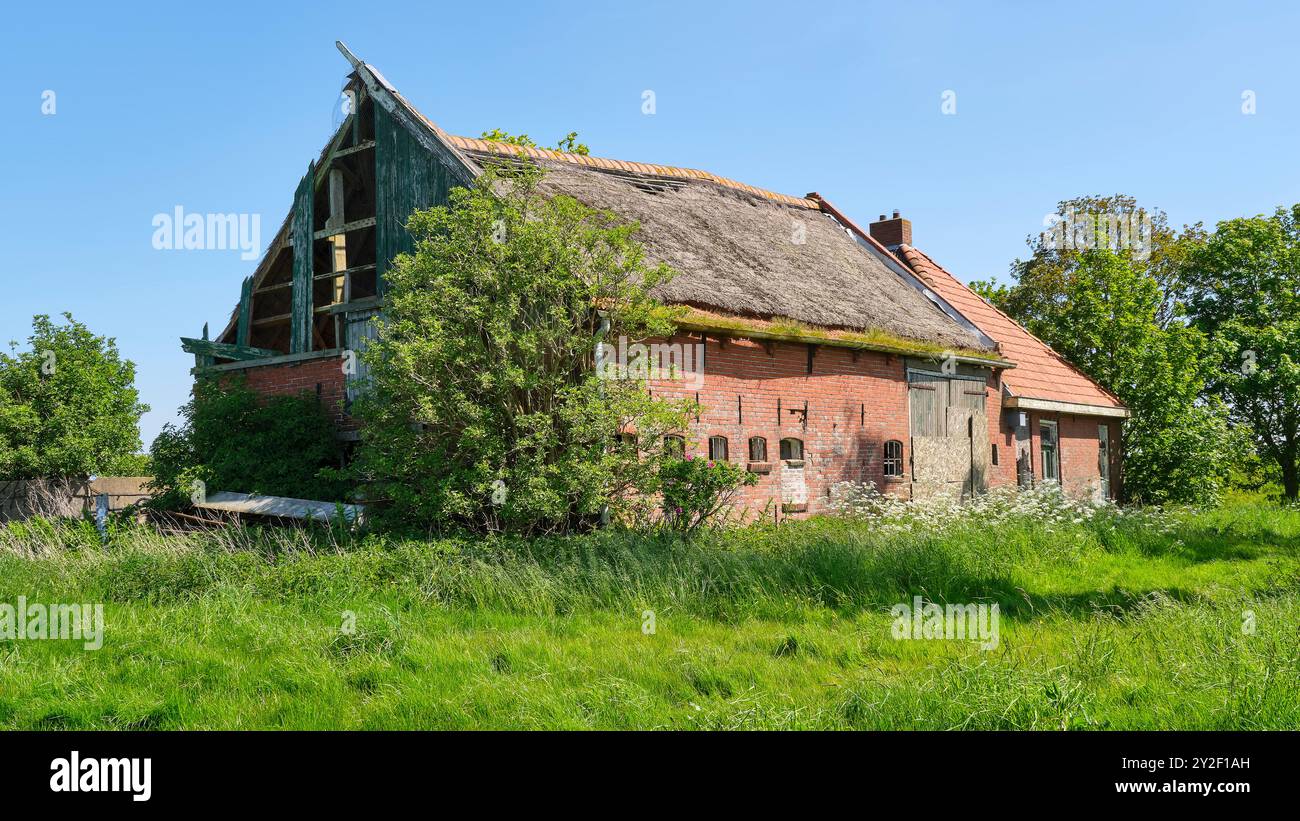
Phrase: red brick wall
{"type": "Point", "coordinates": [1078, 451]}
{"type": "Point", "coordinates": [320, 377]}
{"type": "Point", "coordinates": [854, 407]}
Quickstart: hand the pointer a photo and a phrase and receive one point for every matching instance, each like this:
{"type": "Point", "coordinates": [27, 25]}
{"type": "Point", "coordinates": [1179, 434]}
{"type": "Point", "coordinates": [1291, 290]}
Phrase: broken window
{"type": "Point", "coordinates": [791, 449]}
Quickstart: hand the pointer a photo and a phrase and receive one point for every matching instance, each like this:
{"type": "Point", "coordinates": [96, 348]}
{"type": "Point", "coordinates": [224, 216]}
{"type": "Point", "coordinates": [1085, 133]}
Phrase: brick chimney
{"type": "Point", "coordinates": [892, 232]}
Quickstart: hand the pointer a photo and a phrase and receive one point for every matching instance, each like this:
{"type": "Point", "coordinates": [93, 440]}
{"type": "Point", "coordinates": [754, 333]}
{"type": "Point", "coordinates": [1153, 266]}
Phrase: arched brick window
{"type": "Point", "coordinates": [718, 448]}
{"type": "Point", "coordinates": [757, 449]}
{"type": "Point", "coordinates": [893, 458]}
{"type": "Point", "coordinates": [674, 445]}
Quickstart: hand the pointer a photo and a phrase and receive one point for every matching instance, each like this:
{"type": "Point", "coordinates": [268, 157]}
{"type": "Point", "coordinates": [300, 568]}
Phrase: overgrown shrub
{"type": "Point", "coordinates": [486, 411]}
{"type": "Point", "coordinates": [235, 440]}
{"type": "Point", "coordinates": [699, 491]}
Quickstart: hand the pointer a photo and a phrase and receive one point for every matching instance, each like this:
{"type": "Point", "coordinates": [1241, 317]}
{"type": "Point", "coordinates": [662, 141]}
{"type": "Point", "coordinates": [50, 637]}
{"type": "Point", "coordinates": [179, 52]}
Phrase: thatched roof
{"type": "Point", "coordinates": [738, 249]}
{"type": "Point", "coordinates": [752, 256]}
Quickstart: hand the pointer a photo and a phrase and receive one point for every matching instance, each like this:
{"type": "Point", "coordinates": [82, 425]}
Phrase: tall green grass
{"type": "Point", "coordinates": [1115, 622]}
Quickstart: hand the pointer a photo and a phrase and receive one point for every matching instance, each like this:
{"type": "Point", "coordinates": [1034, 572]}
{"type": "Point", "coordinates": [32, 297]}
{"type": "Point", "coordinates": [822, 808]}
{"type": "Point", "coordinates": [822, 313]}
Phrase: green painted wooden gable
{"type": "Point", "coordinates": [408, 177]}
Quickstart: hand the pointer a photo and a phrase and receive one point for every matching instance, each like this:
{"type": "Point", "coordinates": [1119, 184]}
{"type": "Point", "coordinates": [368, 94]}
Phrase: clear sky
{"type": "Point", "coordinates": [218, 107]}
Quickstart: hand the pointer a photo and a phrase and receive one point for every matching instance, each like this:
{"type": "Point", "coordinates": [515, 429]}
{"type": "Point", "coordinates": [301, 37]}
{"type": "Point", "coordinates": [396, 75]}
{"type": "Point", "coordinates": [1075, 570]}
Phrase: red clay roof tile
{"type": "Point", "coordinates": [1040, 372]}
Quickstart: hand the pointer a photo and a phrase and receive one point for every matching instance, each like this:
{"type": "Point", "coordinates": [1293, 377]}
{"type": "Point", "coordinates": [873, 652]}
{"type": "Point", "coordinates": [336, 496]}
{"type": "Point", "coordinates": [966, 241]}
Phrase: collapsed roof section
{"type": "Point", "coordinates": [739, 250]}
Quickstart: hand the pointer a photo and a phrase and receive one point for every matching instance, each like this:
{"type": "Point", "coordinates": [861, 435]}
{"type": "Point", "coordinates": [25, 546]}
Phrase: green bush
{"type": "Point", "coordinates": [487, 410]}
{"type": "Point", "coordinates": [232, 439]}
{"type": "Point", "coordinates": [699, 491]}
{"type": "Point", "coordinates": [68, 406]}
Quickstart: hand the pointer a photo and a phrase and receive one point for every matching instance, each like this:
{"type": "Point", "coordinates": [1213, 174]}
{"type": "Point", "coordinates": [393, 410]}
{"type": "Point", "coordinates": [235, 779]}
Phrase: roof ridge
{"type": "Point", "coordinates": [1056, 354]}
{"type": "Point", "coordinates": [624, 166]}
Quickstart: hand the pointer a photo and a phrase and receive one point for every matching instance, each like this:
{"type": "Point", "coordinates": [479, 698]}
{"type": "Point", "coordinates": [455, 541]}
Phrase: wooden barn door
{"type": "Point", "coordinates": [950, 436]}
{"type": "Point", "coordinates": [359, 331]}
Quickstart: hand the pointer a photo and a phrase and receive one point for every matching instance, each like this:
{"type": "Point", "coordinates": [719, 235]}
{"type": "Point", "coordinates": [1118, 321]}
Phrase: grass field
{"type": "Point", "coordinates": [1187, 620]}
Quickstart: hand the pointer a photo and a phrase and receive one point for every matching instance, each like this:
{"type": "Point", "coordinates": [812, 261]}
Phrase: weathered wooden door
{"type": "Point", "coordinates": [950, 436]}
{"type": "Point", "coordinates": [359, 331]}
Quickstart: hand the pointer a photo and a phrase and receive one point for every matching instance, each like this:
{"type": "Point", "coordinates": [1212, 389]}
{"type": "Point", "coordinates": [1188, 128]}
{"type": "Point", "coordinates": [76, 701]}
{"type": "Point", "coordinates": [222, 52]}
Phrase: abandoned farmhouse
{"type": "Point", "coordinates": [831, 352]}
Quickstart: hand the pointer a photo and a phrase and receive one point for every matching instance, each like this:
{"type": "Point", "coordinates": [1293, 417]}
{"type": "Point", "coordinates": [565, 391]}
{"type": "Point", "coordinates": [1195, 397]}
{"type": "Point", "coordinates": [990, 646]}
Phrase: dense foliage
{"type": "Point", "coordinates": [698, 491]}
{"type": "Point", "coordinates": [1116, 312]}
{"type": "Point", "coordinates": [485, 410]}
{"type": "Point", "coordinates": [231, 439]}
{"type": "Point", "coordinates": [68, 405]}
{"type": "Point", "coordinates": [1244, 291]}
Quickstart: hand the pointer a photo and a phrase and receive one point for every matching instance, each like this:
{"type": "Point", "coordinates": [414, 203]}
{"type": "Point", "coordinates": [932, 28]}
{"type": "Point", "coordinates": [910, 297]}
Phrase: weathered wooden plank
{"type": "Point", "coordinates": [243, 331]}
{"type": "Point", "coordinates": [301, 299]}
{"type": "Point", "coordinates": [355, 225]}
{"type": "Point", "coordinates": [224, 350]}
{"type": "Point", "coordinates": [365, 146]}
{"type": "Point", "coordinates": [408, 177]}
{"type": "Point", "coordinates": [336, 217]}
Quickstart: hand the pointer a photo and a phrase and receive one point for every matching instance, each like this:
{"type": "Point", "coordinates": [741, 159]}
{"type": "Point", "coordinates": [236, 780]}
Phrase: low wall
{"type": "Point", "coordinates": [68, 497]}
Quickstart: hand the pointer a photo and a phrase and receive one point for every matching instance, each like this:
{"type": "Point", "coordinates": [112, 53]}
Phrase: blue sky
{"type": "Point", "coordinates": [219, 107]}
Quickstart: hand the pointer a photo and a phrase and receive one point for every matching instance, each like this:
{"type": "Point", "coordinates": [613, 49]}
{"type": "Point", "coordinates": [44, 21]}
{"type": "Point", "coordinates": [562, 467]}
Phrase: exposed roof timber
{"type": "Point", "coordinates": [224, 350]}
{"type": "Point", "coordinates": [426, 133]}
{"type": "Point", "coordinates": [283, 238]}
{"type": "Point", "coordinates": [355, 225]}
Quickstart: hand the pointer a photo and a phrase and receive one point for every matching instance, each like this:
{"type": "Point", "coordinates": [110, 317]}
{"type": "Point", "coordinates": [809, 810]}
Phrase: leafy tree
{"type": "Point", "coordinates": [1108, 324]}
{"type": "Point", "coordinates": [231, 438]}
{"type": "Point", "coordinates": [68, 405]}
{"type": "Point", "coordinates": [485, 410]}
{"type": "Point", "coordinates": [1244, 290]}
{"type": "Point", "coordinates": [1086, 223]}
{"type": "Point", "coordinates": [698, 491]}
{"type": "Point", "coordinates": [1113, 309]}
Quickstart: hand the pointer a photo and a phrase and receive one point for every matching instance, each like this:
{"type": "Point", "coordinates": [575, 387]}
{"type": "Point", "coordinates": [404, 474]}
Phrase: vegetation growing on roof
{"type": "Point", "coordinates": [568, 144]}
{"type": "Point", "coordinates": [792, 330]}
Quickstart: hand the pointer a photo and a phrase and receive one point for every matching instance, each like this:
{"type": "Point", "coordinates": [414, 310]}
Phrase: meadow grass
{"type": "Point", "coordinates": [1182, 620]}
